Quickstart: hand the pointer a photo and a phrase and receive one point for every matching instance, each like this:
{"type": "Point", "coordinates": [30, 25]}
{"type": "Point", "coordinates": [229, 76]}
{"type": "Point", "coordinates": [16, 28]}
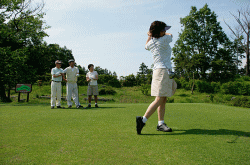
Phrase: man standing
{"type": "Point", "coordinates": [92, 77]}
{"type": "Point", "coordinates": [57, 74]}
{"type": "Point", "coordinates": [72, 73]}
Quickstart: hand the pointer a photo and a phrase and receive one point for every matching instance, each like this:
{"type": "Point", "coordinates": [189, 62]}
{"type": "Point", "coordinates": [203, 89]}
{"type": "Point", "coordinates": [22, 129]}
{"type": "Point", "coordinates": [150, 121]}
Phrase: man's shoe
{"type": "Point", "coordinates": [88, 107]}
{"type": "Point", "coordinates": [79, 106]}
{"type": "Point", "coordinates": [139, 124]}
{"type": "Point", "coordinates": [60, 107]}
{"type": "Point", "coordinates": [52, 107]}
{"type": "Point", "coordinates": [96, 106]}
{"type": "Point", "coordinates": [70, 106]}
{"type": "Point", "coordinates": [163, 128]}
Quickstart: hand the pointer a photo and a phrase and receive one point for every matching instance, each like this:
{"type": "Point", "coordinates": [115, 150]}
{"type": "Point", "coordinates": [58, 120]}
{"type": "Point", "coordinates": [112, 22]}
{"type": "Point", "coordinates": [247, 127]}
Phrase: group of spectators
{"type": "Point", "coordinates": [72, 72]}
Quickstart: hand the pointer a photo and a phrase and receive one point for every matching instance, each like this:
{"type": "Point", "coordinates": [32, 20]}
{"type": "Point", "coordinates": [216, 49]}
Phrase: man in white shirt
{"type": "Point", "coordinates": [72, 73]}
{"type": "Point", "coordinates": [57, 74]}
{"type": "Point", "coordinates": [92, 77]}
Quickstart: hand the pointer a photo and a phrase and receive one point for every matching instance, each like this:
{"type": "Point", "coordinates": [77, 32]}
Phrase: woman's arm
{"type": "Point", "coordinates": [88, 79]}
{"type": "Point", "coordinates": [149, 37]}
{"type": "Point", "coordinates": [169, 34]}
{"type": "Point", "coordinates": [96, 77]}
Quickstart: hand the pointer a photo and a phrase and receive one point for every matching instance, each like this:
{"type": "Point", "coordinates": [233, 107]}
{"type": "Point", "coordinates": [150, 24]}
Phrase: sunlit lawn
{"type": "Point", "coordinates": [202, 134]}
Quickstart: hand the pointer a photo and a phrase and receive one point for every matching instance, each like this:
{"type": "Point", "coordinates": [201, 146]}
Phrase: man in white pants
{"type": "Point", "coordinates": [57, 74]}
{"type": "Point", "coordinates": [72, 73]}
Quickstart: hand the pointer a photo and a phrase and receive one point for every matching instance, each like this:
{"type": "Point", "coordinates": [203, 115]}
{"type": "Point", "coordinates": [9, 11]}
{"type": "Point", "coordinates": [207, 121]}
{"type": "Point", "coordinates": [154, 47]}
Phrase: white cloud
{"type": "Point", "coordinates": [112, 33]}
{"type": "Point", "coordinates": [92, 4]}
{"type": "Point", "coordinates": [54, 32]}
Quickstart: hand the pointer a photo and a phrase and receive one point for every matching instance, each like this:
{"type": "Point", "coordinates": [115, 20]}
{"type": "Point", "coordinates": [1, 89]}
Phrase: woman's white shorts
{"type": "Point", "coordinates": [161, 84]}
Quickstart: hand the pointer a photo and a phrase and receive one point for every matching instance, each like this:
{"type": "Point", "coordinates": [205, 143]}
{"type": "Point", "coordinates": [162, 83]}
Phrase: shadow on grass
{"type": "Point", "coordinates": [99, 108]}
{"type": "Point", "coordinates": [213, 132]}
{"type": "Point", "coordinates": [183, 95]}
{"type": "Point", "coordinates": [49, 106]}
{"type": "Point", "coordinates": [26, 104]}
{"type": "Point", "coordinates": [208, 132]}
{"type": "Point", "coordinates": [93, 108]}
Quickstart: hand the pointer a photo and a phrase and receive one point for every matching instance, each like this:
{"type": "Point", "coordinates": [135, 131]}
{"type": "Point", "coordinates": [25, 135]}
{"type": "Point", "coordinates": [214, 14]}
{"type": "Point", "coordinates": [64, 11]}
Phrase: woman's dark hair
{"type": "Point", "coordinates": [156, 28]}
{"type": "Point", "coordinates": [90, 65]}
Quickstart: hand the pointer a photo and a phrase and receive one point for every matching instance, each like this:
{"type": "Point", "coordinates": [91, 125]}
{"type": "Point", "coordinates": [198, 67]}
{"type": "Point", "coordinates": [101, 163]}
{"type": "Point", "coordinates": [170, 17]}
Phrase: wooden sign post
{"type": "Point", "coordinates": [23, 88]}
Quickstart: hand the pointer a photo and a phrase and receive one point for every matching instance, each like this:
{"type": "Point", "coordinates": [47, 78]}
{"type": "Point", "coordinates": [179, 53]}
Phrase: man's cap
{"type": "Point", "coordinates": [167, 28]}
{"type": "Point", "coordinates": [58, 62]}
{"type": "Point", "coordinates": [71, 60]}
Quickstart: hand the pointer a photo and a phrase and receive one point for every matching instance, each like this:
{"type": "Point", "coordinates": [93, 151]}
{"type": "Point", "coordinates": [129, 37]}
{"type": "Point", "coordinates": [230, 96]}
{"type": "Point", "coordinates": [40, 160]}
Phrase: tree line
{"type": "Point", "coordinates": [107, 77]}
{"type": "Point", "coordinates": [203, 51]}
{"type": "Point", "coordinates": [25, 56]}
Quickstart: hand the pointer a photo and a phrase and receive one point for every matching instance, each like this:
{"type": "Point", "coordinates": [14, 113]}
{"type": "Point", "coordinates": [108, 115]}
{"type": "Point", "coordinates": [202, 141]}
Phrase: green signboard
{"type": "Point", "coordinates": [23, 88]}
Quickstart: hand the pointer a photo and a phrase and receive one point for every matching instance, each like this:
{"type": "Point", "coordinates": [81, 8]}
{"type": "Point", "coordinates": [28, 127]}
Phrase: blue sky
{"type": "Point", "coordinates": [112, 33]}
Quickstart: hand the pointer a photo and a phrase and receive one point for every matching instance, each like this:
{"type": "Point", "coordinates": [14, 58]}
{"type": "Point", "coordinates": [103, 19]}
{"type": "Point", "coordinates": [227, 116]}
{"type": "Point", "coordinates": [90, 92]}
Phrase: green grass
{"type": "Point", "coordinates": [123, 95]}
{"type": "Point", "coordinates": [126, 95]}
{"type": "Point", "coordinates": [203, 134]}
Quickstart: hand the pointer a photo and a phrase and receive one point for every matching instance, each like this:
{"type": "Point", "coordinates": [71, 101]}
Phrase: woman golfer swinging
{"type": "Point", "coordinates": [161, 86]}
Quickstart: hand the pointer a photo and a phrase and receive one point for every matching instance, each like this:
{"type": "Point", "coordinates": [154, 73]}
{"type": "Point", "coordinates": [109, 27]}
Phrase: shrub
{"type": "Point", "coordinates": [183, 83]}
{"type": "Point", "coordinates": [245, 78]}
{"type": "Point", "coordinates": [212, 98]}
{"type": "Point", "coordinates": [227, 97]}
{"type": "Point", "coordinates": [215, 87]}
{"type": "Point", "coordinates": [109, 80]}
{"type": "Point", "coordinates": [107, 91]}
{"type": "Point", "coordinates": [204, 87]}
{"type": "Point", "coordinates": [241, 102]}
{"type": "Point", "coordinates": [128, 81]}
{"type": "Point", "coordinates": [102, 92]}
{"type": "Point", "coordinates": [145, 88]}
{"type": "Point", "coordinates": [178, 83]}
{"type": "Point", "coordinates": [114, 83]}
{"type": "Point", "coordinates": [170, 100]}
{"type": "Point", "coordinates": [220, 99]}
{"type": "Point", "coordinates": [81, 80]}
{"type": "Point", "coordinates": [226, 88]}
{"type": "Point", "coordinates": [39, 82]}
{"type": "Point", "coordinates": [236, 88]}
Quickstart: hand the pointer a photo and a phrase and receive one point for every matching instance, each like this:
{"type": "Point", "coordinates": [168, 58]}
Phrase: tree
{"type": "Point", "coordinates": [55, 52]}
{"type": "Point", "coordinates": [144, 76]}
{"type": "Point", "coordinates": [20, 28]}
{"type": "Point", "coordinates": [101, 71]}
{"type": "Point", "coordinates": [199, 43]}
{"type": "Point", "coordinates": [243, 30]}
{"type": "Point", "coordinates": [223, 66]}
{"type": "Point", "coordinates": [109, 80]}
{"type": "Point", "coordinates": [128, 81]}
{"type": "Point", "coordinates": [82, 70]}
{"type": "Point", "coordinates": [42, 58]}
{"type": "Point", "coordinates": [143, 69]}
{"type": "Point", "coordinates": [114, 74]}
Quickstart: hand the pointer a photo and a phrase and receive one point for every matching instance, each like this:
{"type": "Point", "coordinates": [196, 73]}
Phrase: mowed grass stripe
{"type": "Point", "coordinates": [203, 134]}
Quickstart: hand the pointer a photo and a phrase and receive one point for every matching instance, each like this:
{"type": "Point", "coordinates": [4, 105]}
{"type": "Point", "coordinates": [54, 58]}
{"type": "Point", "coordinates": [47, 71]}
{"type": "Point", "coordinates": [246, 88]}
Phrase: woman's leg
{"type": "Point", "coordinates": [90, 98]}
{"type": "Point", "coordinates": [154, 105]}
{"type": "Point", "coordinates": [95, 98]}
{"type": "Point", "coordinates": [161, 110]}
